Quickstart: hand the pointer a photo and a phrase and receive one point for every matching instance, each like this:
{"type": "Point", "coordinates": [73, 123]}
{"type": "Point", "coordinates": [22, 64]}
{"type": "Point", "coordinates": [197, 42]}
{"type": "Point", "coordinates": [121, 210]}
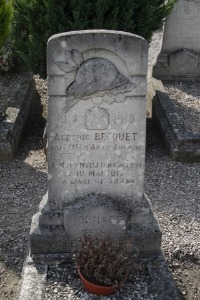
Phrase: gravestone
{"type": "Point", "coordinates": [180, 53]}
{"type": "Point", "coordinates": [96, 143]}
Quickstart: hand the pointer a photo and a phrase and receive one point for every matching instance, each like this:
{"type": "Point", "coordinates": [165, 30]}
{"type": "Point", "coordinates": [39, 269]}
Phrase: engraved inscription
{"type": "Point", "coordinates": [120, 118]}
{"type": "Point", "coordinates": [88, 222]}
{"type": "Point", "coordinates": [98, 136]}
{"type": "Point", "coordinates": [125, 136]}
{"type": "Point", "coordinates": [103, 153]}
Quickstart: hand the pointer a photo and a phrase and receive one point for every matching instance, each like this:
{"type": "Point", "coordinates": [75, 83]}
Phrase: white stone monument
{"type": "Point", "coordinates": [180, 53]}
{"type": "Point", "coordinates": [96, 142]}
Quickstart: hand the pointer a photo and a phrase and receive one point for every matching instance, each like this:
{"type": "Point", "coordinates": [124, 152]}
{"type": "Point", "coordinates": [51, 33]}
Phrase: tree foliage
{"type": "Point", "coordinates": [36, 20]}
{"type": "Point", "coordinates": [6, 11]}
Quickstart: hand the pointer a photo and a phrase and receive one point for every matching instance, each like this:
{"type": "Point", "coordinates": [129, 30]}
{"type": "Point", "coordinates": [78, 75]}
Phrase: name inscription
{"type": "Point", "coordinates": [102, 136]}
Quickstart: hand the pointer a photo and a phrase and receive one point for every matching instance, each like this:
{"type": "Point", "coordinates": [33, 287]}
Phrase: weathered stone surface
{"type": "Point", "coordinates": [56, 232]}
{"type": "Point", "coordinates": [182, 144]}
{"type": "Point", "coordinates": [33, 281]}
{"type": "Point", "coordinates": [180, 53]}
{"type": "Point", "coordinates": [16, 117]}
{"type": "Point", "coordinates": [96, 142]}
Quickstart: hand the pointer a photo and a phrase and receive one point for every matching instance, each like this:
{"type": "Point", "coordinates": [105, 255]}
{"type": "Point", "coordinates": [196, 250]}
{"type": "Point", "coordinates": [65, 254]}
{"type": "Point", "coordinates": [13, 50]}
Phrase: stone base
{"type": "Point", "coordinates": [16, 118]}
{"type": "Point", "coordinates": [54, 232]}
{"type": "Point", "coordinates": [181, 144]}
{"type": "Point", "coordinates": [182, 64]}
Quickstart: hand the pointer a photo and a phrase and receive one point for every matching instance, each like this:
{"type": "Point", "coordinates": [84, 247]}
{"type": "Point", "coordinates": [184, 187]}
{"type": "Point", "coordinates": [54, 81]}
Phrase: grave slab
{"type": "Point", "coordinates": [180, 142]}
{"type": "Point", "coordinates": [159, 283]}
{"type": "Point", "coordinates": [15, 120]}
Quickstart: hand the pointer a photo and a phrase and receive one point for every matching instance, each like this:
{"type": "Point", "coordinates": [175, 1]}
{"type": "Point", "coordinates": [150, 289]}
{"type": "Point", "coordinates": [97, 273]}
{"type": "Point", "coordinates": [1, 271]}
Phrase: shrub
{"type": "Point", "coordinates": [36, 20]}
{"type": "Point", "coordinates": [6, 12]}
{"type": "Point", "coordinates": [6, 59]}
{"type": "Point", "coordinates": [105, 261]}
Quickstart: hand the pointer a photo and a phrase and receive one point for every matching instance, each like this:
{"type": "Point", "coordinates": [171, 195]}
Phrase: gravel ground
{"type": "Point", "coordinates": [64, 284]}
{"type": "Point", "coordinates": [154, 49]}
{"type": "Point", "coordinates": [186, 99]}
{"type": "Point", "coordinates": [172, 187]}
{"type": "Point", "coordinates": [23, 181]}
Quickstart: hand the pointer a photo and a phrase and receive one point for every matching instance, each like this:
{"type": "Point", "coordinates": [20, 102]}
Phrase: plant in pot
{"type": "Point", "coordinates": [104, 264]}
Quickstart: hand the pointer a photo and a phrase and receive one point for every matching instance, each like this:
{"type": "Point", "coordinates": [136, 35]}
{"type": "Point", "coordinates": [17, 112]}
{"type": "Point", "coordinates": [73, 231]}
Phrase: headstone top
{"type": "Point", "coordinates": [96, 31]}
{"type": "Point", "coordinates": [65, 55]}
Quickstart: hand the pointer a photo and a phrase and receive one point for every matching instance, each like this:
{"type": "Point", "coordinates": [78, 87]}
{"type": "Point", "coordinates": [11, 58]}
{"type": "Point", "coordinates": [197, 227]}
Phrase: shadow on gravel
{"type": "Point", "coordinates": [21, 190]}
{"type": "Point", "coordinates": [33, 135]}
{"type": "Point", "coordinates": [185, 257]}
{"type": "Point", "coordinates": [23, 182]}
{"type": "Point", "coordinates": [153, 144]}
{"type": "Point", "coordinates": [185, 86]}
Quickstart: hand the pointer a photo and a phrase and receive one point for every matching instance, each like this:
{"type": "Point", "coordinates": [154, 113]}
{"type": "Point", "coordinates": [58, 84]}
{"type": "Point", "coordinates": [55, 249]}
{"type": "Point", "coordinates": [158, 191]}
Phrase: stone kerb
{"type": "Point", "coordinates": [180, 53]}
{"type": "Point", "coordinates": [180, 142]}
{"type": "Point", "coordinates": [96, 142]}
{"type": "Point", "coordinates": [16, 118]}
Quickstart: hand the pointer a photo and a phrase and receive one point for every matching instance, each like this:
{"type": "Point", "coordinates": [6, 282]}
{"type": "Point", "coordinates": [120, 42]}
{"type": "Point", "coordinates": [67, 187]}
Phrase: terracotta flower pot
{"type": "Point", "coordinates": [96, 289]}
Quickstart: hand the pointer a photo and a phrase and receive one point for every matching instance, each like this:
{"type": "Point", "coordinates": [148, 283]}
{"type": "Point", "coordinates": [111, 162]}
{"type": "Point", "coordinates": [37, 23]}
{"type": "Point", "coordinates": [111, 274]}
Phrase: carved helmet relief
{"type": "Point", "coordinates": [97, 75]}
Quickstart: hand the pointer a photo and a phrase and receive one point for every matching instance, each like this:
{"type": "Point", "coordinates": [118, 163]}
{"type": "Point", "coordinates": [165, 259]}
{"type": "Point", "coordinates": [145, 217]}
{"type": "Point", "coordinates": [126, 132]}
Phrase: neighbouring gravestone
{"type": "Point", "coordinates": [96, 142]}
{"type": "Point", "coordinates": [17, 116]}
{"type": "Point", "coordinates": [180, 54]}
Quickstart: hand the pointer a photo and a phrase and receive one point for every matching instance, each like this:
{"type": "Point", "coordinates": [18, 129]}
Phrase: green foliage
{"type": "Point", "coordinates": [6, 59]}
{"type": "Point", "coordinates": [36, 20]}
{"type": "Point", "coordinates": [6, 12]}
